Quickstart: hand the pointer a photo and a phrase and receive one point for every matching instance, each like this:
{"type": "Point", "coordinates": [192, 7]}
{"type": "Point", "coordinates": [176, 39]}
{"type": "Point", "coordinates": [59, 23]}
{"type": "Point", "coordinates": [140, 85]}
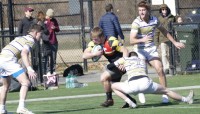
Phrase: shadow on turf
{"type": "Point", "coordinates": [72, 110]}
{"type": "Point", "coordinates": [196, 101]}
{"type": "Point", "coordinates": [157, 105]}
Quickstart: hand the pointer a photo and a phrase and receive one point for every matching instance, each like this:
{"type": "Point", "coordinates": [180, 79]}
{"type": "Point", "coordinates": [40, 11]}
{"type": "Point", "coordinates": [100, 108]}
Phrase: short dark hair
{"type": "Point", "coordinates": [132, 53]}
{"type": "Point", "coordinates": [35, 27]}
{"type": "Point", "coordinates": [144, 4]}
{"type": "Point", "coordinates": [108, 7]}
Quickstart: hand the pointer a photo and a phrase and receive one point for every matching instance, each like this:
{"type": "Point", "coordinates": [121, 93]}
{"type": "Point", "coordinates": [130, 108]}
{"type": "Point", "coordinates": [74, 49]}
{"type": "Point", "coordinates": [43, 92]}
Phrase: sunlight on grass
{"type": "Point", "coordinates": [90, 105]}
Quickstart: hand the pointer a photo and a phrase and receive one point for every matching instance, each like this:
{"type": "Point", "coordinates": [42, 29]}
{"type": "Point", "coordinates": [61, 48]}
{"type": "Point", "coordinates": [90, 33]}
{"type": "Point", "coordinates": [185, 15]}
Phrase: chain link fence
{"type": "Point", "coordinates": [68, 14]}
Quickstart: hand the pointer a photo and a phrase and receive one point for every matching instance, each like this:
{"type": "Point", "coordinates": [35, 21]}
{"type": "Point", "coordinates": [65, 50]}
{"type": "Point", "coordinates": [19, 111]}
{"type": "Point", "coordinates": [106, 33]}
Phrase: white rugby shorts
{"type": "Point", "coordinates": [147, 53]}
{"type": "Point", "coordinates": [143, 85]}
{"type": "Point", "coordinates": [10, 66]}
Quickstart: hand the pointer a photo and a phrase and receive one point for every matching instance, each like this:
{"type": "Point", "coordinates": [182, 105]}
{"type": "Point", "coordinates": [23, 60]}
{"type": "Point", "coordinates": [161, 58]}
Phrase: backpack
{"type": "Point", "coordinates": [76, 70]}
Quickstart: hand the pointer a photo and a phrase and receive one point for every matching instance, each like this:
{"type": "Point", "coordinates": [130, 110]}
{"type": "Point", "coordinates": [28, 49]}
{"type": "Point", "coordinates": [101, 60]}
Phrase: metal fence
{"type": "Point", "coordinates": [75, 23]}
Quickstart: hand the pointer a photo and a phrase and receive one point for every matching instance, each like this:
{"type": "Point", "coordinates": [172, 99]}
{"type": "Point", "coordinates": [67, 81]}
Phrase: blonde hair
{"type": "Point", "coordinates": [97, 32]}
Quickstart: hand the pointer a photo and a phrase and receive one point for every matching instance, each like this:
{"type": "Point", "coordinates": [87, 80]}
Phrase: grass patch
{"type": "Point", "coordinates": [90, 105]}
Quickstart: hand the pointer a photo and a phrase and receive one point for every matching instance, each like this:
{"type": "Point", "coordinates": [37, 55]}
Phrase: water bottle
{"type": "Point", "coordinates": [72, 81]}
{"type": "Point", "coordinates": [68, 82]}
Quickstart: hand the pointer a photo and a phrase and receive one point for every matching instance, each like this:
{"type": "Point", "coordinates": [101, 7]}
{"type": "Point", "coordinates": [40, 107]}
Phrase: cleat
{"type": "Point", "coordinates": [190, 97]}
{"type": "Point", "coordinates": [126, 105]}
{"type": "Point", "coordinates": [23, 111]}
{"type": "Point", "coordinates": [107, 103]}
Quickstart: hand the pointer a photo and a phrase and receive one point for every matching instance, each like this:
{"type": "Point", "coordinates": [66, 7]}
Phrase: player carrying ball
{"type": "Point", "coordinates": [113, 50]}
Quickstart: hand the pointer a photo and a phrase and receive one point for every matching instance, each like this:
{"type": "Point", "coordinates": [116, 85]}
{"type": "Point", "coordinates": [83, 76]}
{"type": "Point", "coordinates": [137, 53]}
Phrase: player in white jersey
{"type": "Point", "coordinates": [139, 82]}
{"type": "Point", "coordinates": [18, 48]}
{"type": "Point", "coordinates": [141, 36]}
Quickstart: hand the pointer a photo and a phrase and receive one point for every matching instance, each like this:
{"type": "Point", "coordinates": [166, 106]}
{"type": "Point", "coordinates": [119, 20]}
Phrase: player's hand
{"type": "Point", "coordinates": [98, 53]}
{"type": "Point", "coordinates": [147, 39]}
{"type": "Point", "coordinates": [122, 41]}
{"type": "Point", "coordinates": [53, 27]}
{"type": "Point", "coordinates": [32, 74]}
{"type": "Point", "coordinates": [179, 45]}
{"type": "Point", "coordinates": [121, 68]}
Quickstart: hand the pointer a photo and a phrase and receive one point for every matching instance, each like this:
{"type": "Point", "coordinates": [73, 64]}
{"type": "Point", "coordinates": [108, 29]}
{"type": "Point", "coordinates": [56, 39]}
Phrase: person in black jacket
{"type": "Point", "coordinates": [26, 22]}
{"type": "Point", "coordinates": [46, 46]}
{"type": "Point", "coordinates": [110, 24]}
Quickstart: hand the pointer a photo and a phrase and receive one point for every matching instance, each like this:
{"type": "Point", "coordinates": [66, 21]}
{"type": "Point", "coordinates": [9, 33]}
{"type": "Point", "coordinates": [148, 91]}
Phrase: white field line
{"type": "Point", "coordinates": [110, 108]}
{"type": "Point", "coordinates": [89, 95]}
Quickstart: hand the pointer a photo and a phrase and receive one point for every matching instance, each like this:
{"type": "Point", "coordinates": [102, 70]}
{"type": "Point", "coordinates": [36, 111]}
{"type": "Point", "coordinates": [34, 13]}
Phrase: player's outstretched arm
{"type": "Point", "coordinates": [178, 45]}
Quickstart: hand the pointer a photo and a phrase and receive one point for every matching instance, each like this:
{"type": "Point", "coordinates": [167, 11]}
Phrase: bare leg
{"type": "Point", "coordinates": [157, 64]}
{"type": "Point", "coordinates": [159, 69]}
{"type": "Point", "coordinates": [119, 92]}
{"type": "Point", "coordinates": [24, 81]}
{"type": "Point", "coordinates": [4, 90]}
{"type": "Point", "coordinates": [174, 95]}
{"type": "Point", "coordinates": [106, 82]}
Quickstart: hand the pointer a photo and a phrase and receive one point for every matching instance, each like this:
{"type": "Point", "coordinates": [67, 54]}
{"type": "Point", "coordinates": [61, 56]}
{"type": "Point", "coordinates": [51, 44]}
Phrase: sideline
{"type": "Point", "coordinates": [90, 95]}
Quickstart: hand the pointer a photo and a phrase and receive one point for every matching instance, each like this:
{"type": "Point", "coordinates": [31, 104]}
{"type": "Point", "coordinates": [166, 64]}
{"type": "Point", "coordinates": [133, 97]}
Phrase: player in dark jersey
{"type": "Point", "coordinates": [113, 50]}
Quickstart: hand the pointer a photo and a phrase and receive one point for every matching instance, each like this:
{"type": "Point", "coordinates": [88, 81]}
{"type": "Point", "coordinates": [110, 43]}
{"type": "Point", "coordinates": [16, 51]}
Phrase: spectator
{"type": "Point", "coordinates": [26, 22]}
{"type": "Point", "coordinates": [179, 19]}
{"type": "Point", "coordinates": [19, 48]}
{"type": "Point", "coordinates": [166, 19]}
{"type": "Point", "coordinates": [46, 48]}
{"type": "Point", "coordinates": [110, 24]}
{"type": "Point", "coordinates": [53, 27]}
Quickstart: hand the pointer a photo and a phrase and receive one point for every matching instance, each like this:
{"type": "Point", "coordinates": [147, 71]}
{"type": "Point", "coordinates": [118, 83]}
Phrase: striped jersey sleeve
{"type": "Point", "coordinates": [15, 47]}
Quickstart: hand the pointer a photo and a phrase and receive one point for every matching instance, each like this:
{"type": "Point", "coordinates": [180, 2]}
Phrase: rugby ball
{"type": "Point", "coordinates": [94, 50]}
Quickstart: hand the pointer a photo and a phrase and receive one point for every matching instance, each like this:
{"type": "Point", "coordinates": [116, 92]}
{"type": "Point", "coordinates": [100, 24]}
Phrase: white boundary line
{"type": "Point", "coordinates": [110, 108]}
{"type": "Point", "coordinates": [90, 95]}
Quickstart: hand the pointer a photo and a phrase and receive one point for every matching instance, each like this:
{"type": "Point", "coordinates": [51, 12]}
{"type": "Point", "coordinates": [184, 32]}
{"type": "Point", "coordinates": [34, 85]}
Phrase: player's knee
{"type": "Point", "coordinates": [5, 88]}
{"type": "Point", "coordinates": [105, 77]}
{"type": "Point", "coordinates": [159, 69]}
{"type": "Point", "coordinates": [26, 83]}
{"type": "Point", "coordinates": [167, 91]}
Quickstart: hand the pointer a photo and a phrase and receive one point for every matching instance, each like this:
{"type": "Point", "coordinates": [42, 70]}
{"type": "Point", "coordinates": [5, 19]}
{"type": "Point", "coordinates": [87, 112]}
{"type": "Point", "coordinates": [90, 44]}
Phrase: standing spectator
{"type": "Point", "coordinates": [110, 24]}
{"type": "Point", "coordinates": [166, 19]}
{"type": "Point", "coordinates": [26, 22]}
{"type": "Point", "coordinates": [46, 47]}
{"type": "Point", "coordinates": [142, 36]}
{"type": "Point", "coordinates": [19, 48]}
{"type": "Point", "coordinates": [53, 27]}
